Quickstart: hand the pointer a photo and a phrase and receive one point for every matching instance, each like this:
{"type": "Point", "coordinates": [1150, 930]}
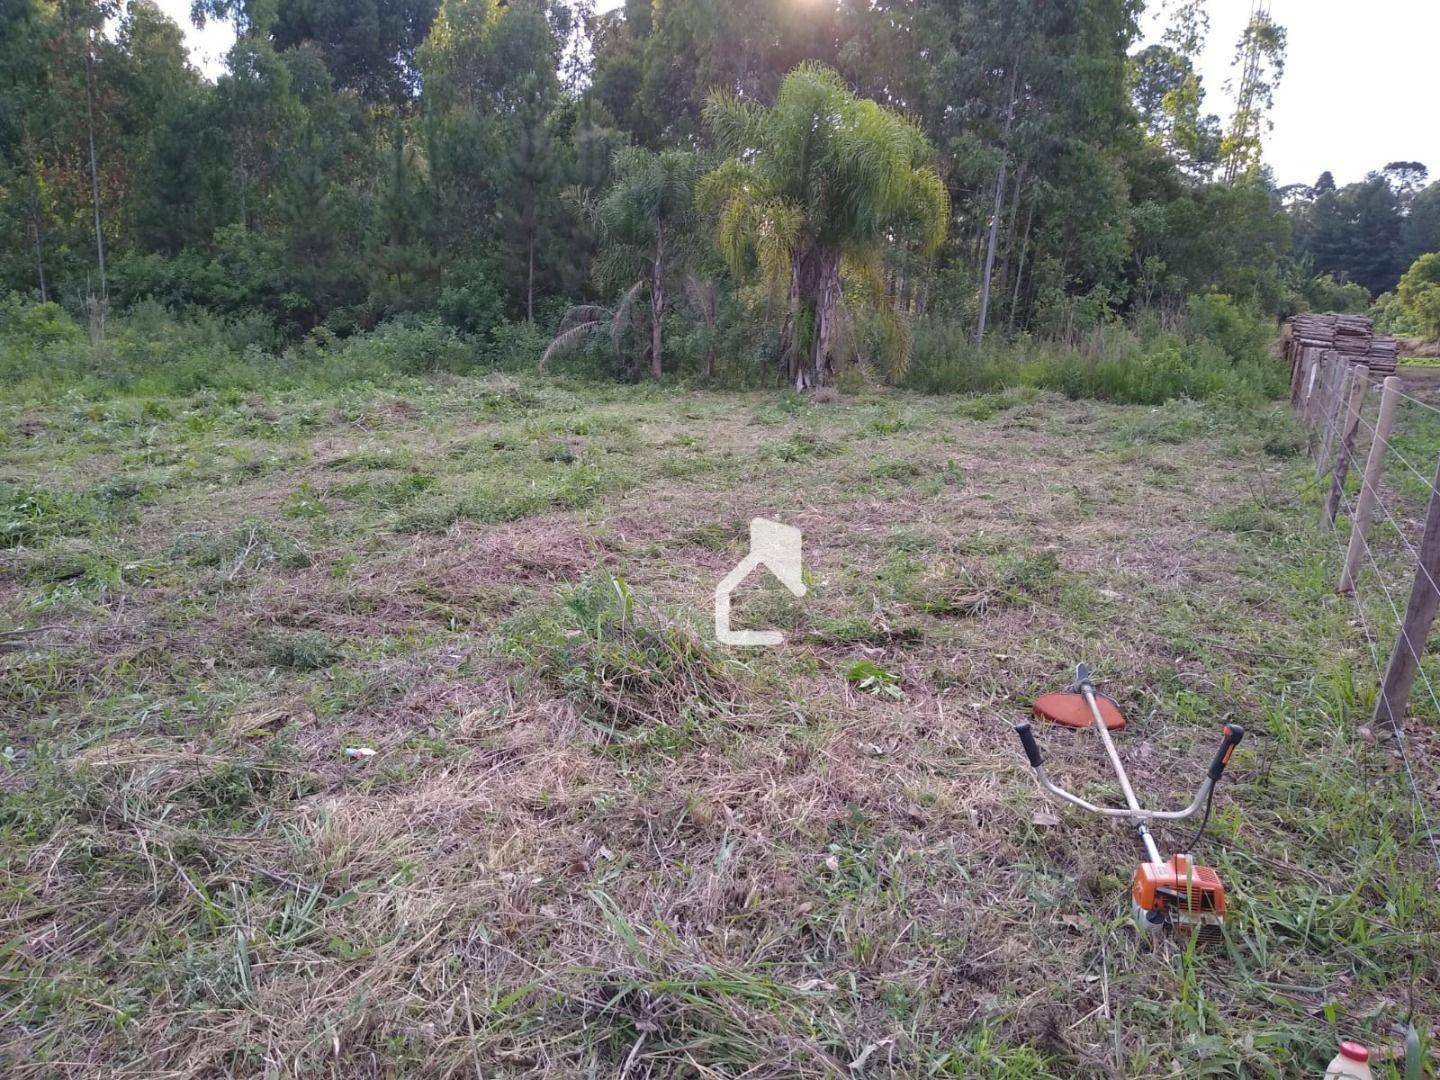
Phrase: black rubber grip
{"type": "Point", "coordinates": [1032, 748]}
{"type": "Point", "coordinates": [1233, 734]}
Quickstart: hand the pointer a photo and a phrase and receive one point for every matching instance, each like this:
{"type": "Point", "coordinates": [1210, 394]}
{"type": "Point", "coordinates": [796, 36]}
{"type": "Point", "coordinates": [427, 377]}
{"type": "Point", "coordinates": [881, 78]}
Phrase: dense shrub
{"type": "Point", "coordinates": [1118, 364]}
{"type": "Point", "coordinates": [45, 353]}
{"type": "Point", "coordinates": [416, 348]}
{"type": "Point", "coordinates": [150, 351]}
{"type": "Point", "coordinates": [471, 300]}
{"type": "Point", "coordinates": [1419, 293]}
{"type": "Point", "coordinates": [1244, 335]}
{"type": "Point", "coordinates": [1324, 293]}
{"type": "Point", "coordinates": [24, 324]}
{"type": "Point", "coordinates": [1392, 318]}
{"type": "Point", "coordinates": [515, 346]}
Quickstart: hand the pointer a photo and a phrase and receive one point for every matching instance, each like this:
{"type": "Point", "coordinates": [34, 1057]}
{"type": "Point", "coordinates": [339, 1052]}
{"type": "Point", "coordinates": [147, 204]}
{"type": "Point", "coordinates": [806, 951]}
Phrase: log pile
{"type": "Point", "coordinates": [1311, 332]}
{"type": "Point", "coordinates": [1381, 357]}
{"type": "Point", "coordinates": [1351, 336]}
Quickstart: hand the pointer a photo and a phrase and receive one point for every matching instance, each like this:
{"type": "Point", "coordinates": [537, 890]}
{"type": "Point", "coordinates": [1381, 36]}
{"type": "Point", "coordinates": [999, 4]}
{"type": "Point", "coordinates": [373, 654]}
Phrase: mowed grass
{"type": "Point", "coordinates": [591, 842]}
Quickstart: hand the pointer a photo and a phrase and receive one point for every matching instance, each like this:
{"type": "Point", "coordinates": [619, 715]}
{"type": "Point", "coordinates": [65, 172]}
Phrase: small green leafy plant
{"type": "Point", "coordinates": [870, 678]}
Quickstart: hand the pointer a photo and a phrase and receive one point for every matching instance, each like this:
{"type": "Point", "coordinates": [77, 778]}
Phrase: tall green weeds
{"type": "Point", "coordinates": [1221, 351]}
{"type": "Point", "coordinates": [45, 354]}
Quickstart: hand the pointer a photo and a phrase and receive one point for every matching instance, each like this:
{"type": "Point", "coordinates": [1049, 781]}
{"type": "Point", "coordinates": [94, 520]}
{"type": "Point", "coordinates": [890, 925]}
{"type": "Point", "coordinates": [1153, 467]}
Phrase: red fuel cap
{"type": "Point", "coordinates": [1354, 1051]}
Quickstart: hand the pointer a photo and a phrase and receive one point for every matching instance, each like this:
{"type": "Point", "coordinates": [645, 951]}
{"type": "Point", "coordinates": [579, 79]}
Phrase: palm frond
{"type": "Point", "coordinates": [704, 295]}
{"type": "Point", "coordinates": [568, 341]}
{"type": "Point", "coordinates": [622, 313]}
{"type": "Point", "coordinates": [616, 266]}
{"type": "Point", "coordinates": [864, 269]}
{"type": "Point", "coordinates": [896, 341]}
{"type": "Point", "coordinates": [733, 122]}
{"type": "Point", "coordinates": [583, 313]}
{"type": "Point", "coordinates": [929, 201]}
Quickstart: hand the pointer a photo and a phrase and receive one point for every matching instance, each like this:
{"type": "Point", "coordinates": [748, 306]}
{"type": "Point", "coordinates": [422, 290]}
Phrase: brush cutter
{"type": "Point", "coordinates": [1175, 892]}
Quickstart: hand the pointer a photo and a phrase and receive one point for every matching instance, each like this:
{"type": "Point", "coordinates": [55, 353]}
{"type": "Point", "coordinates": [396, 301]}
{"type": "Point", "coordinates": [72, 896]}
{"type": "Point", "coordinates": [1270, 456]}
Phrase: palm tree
{"type": "Point", "coordinates": [814, 189]}
{"type": "Point", "coordinates": [647, 225]}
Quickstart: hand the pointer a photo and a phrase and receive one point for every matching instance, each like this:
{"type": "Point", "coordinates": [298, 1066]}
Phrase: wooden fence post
{"type": "Point", "coordinates": [1319, 398]}
{"type": "Point", "coordinates": [1307, 391]}
{"type": "Point", "coordinates": [1340, 367]}
{"type": "Point", "coordinates": [1324, 369]}
{"type": "Point", "coordinates": [1374, 466]}
{"type": "Point", "coordinates": [1312, 375]}
{"type": "Point", "coordinates": [1419, 615]}
{"type": "Point", "coordinates": [1298, 362]}
{"type": "Point", "coordinates": [1344, 373]}
{"type": "Point", "coordinates": [1359, 385]}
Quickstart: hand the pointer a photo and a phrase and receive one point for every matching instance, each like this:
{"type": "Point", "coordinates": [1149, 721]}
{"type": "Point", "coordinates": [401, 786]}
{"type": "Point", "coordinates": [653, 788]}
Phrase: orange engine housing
{"type": "Point", "coordinates": [1180, 887]}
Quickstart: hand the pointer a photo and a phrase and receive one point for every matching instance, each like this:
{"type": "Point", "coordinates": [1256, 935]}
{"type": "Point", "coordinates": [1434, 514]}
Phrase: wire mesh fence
{"type": "Point", "coordinates": [1384, 520]}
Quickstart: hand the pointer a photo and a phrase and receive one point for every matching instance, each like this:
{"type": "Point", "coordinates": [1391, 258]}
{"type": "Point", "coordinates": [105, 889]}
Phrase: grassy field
{"type": "Point", "coordinates": [590, 842]}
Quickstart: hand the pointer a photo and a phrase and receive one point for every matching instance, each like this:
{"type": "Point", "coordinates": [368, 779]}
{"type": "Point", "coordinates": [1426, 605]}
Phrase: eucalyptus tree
{"type": "Point", "coordinates": [813, 191]}
{"type": "Point", "coordinates": [1259, 62]}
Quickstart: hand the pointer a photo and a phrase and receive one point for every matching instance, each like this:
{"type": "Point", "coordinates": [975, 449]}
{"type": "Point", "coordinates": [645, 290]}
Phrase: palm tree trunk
{"type": "Point", "coordinates": [818, 286]}
{"type": "Point", "coordinates": [790, 331]}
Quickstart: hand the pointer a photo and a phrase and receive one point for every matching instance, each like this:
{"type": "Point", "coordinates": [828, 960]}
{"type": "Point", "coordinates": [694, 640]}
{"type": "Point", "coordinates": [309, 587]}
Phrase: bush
{"type": "Point", "coordinates": [1125, 367]}
{"type": "Point", "coordinates": [1420, 294]}
{"type": "Point", "coordinates": [471, 301]}
{"type": "Point", "coordinates": [25, 323]}
{"type": "Point", "coordinates": [625, 668]}
{"type": "Point", "coordinates": [1243, 335]}
{"type": "Point", "coordinates": [515, 346]}
{"type": "Point", "coordinates": [1391, 318]}
{"type": "Point", "coordinates": [1324, 293]}
{"type": "Point", "coordinates": [421, 348]}
{"type": "Point", "coordinates": [153, 353]}
{"type": "Point", "coordinates": [30, 516]}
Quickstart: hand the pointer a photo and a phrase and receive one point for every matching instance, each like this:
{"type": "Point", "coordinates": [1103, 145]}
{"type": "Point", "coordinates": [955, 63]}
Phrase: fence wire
{"type": "Point", "coordinates": [1331, 421]}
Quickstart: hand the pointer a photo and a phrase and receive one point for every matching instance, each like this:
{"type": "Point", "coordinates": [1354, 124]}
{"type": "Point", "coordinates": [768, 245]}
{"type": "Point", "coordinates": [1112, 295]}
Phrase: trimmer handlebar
{"type": "Point", "coordinates": [1233, 734]}
{"type": "Point", "coordinates": [1032, 748]}
{"type": "Point", "coordinates": [1231, 739]}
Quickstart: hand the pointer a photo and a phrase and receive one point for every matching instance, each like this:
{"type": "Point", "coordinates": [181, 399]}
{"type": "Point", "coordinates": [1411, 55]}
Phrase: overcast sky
{"type": "Point", "coordinates": [1358, 86]}
{"type": "Point", "coordinates": [1357, 91]}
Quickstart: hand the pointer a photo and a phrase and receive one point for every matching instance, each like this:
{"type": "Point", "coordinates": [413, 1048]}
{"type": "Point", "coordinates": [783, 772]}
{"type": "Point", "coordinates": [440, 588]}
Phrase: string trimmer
{"type": "Point", "coordinates": [1177, 891]}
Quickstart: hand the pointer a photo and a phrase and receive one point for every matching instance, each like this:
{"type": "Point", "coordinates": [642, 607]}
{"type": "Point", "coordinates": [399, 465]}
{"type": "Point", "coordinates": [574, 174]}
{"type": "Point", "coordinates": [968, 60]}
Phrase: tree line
{"type": "Point", "coordinates": [791, 181]}
{"type": "Point", "coordinates": [1368, 232]}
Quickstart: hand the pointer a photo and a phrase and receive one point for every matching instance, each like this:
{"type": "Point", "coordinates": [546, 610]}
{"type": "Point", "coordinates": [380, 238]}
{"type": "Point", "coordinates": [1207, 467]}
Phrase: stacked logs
{"type": "Point", "coordinates": [1382, 354]}
{"type": "Point", "coordinates": [1350, 336]}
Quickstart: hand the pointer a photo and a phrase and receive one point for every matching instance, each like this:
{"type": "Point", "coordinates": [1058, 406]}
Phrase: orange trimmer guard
{"type": "Point", "coordinates": [1070, 710]}
{"type": "Point", "coordinates": [1181, 890]}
